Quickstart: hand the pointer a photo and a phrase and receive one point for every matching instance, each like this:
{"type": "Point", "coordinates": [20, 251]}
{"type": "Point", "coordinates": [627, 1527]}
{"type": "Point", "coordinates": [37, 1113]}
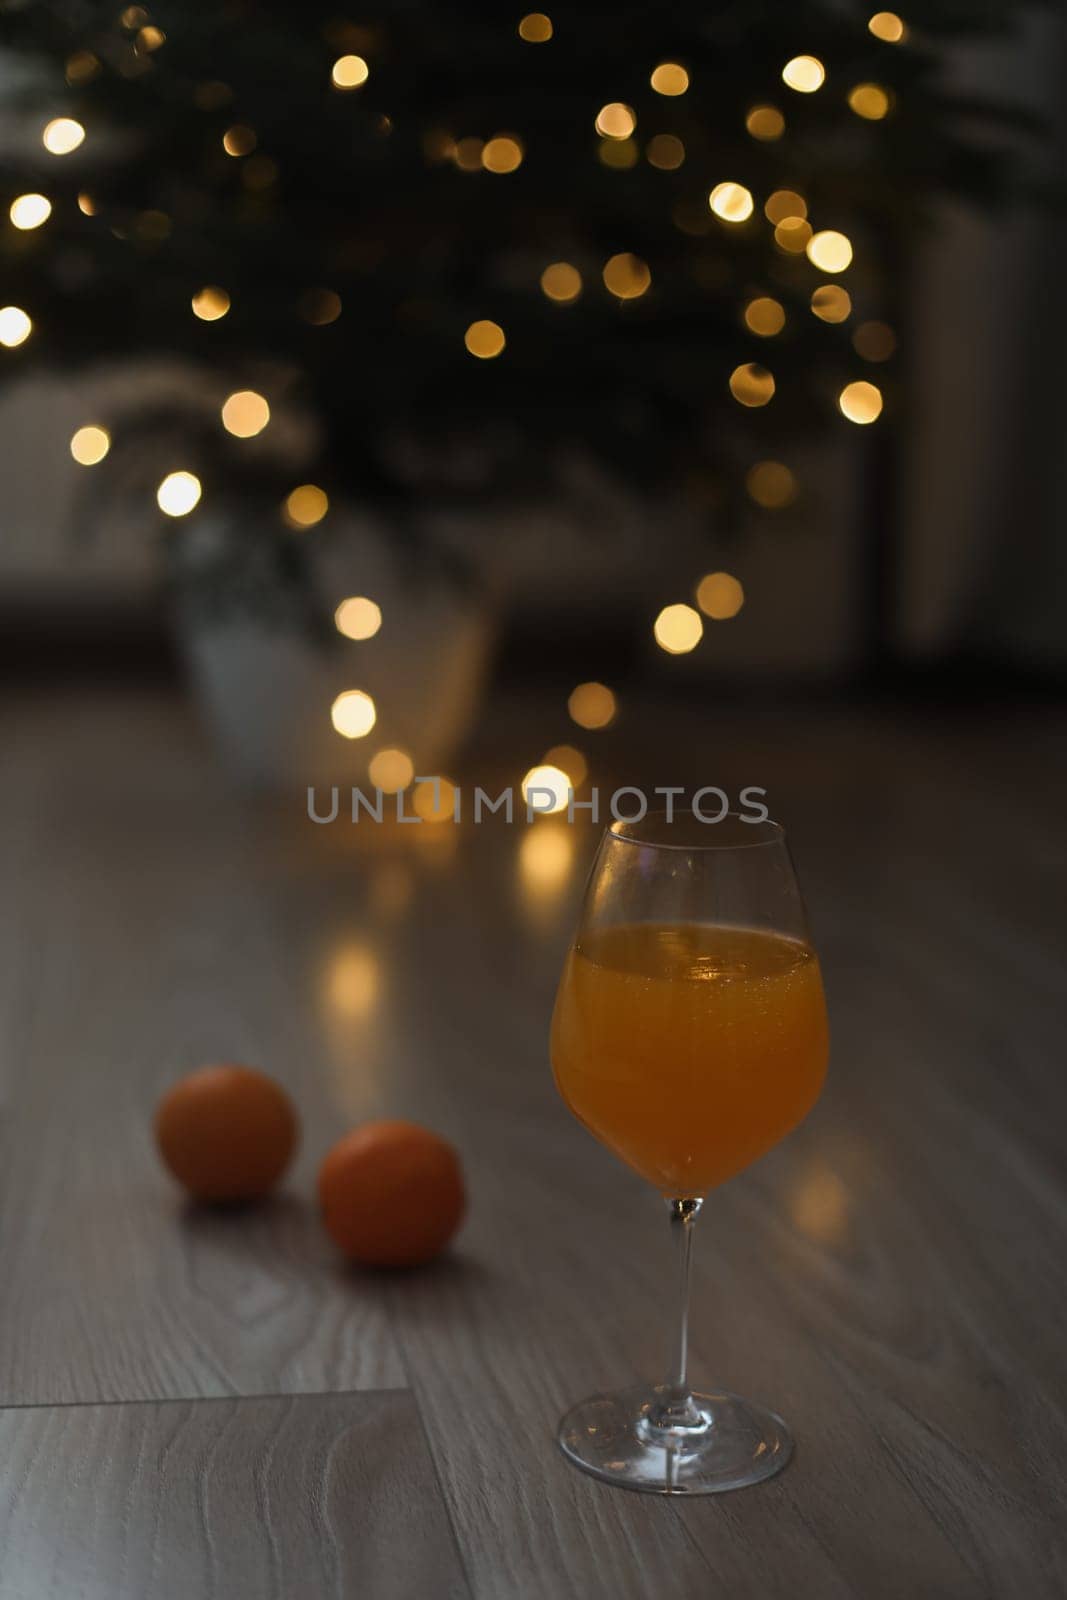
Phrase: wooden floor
{"type": "Point", "coordinates": [196, 1404]}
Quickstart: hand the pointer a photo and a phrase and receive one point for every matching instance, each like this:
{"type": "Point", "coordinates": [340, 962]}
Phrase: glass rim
{"type": "Point", "coordinates": [763, 832]}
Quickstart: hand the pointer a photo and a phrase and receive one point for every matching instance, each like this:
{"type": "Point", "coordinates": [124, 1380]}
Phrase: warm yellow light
{"type": "Point", "coordinates": [829, 251]}
{"type": "Point", "coordinates": [678, 629]}
{"type": "Point", "coordinates": [669, 78]}
{"type": "Point", "coordinates": [860, 402]}
{"type": "Point", "coordinates": [831, 303]}
{"type": "Point", "coordinates": [15, 326]}
{"type": "Point", "coordinates": [751, 385]}
{"type": "Point", "coordinates": [133, 17]}
{"type": "Point", "coordinates": [352, 982]}
{"type": "Point", "coordinates": [82, 66]}
{"type": "Point", "coordinates": [245, 414]}
{"type": "Point", "coordinates": [149, 39]}
{"type": "Point", "coordinates": [349, 72]}
{"type": "Point", "coordinates": [805, 74]}
{"type": "Point", "coordinates": [62, 135]}
{"type": "Point", "coordinates": [391, 770]}
{"type": "Point", "coordinates": [784, 203]}
{"type": "Point", "coordinates": [548, 780]}
{"type": "Point", "coordinates": [731, 201]}
{"type": "Point", "coordinates": [793, 235]}
{"type": "Point", "coordinates": [771, 485]}
{"type": "Point", "coordinates": [561, 282]}
{"type": "Point", "coordinates": [30, 211]}
{"type": "Point", "coordinates": [720, 596]}
{"type": "Point", "coordinates": [887, 26]}
{"type": "Point", "coordinates": [306, 505]}
{"type": "Point", "coordinates": [358, 618]}
{"type": "Point", "coordinates": [320, 307]}
{"type": "Point", "coordinates": [484, 339]}
{"type": "Point", "coordinates": [546, 855]}
{"type": "Point", "coordinates": [765, 123]}
{"type": "Point", "coordinates": [535, 28]}
{"type": "Point", "coordinates": [178, 494]}
{"type": "Point", "coordinates": [570, 761]}
{"type": "Point", "coordinates": [434, 801]}
{"type": "Point", "coordinates": [615, 120]}
{"type": "Point", "coordinates": [468, 155]}
{"type": "Point", "coordinates": [86, 204]}
{"type": "Point", "coordinates": [869, 100]}
{"type": "Point", "coordinates": [210, 303]}
{"type": "Point", "coordinates": [621, 154]}
{"type": "Point", "coordinates": [626, 276]}
{"type": "Point", "coordinates": [239, 140]}
{"type": "Point", "coordinates": [665, 151]}
{"type": "Point", "coordinates": [353, 714]}
{"type": "Point", "coordinates": [874, 341]}
{"type": "Point", "coordinates": [592, 705]}
{"type": "Point", "coordinates": [819, 1207]}
{"type": "Point", "coordinates": [90, 445]}
{"type": "Point", "coordinates": [502, 154]}
{"type": "Point", "coordinates": [765, 316]}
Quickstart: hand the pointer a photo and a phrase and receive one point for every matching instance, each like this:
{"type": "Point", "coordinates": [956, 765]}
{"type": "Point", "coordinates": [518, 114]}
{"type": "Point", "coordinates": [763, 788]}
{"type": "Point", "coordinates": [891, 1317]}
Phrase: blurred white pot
{"type": "Point", "coordinates": [267, 685]}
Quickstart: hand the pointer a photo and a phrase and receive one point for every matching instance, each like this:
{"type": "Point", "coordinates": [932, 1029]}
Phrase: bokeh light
{"type": "Point", "coordinates": [434, 801]}
{"type": "Point", "coordinates": [731, 201]}
{"type": "Point", "coordinates": [570, 761]}
{"type": "Point", "coordinates": [550, 779]}
{"type": "Point", "coordinates": [765, 316]}
{"type": "Point", "coordinates": [765, 123]}
{"type": "Point", "coordinates": [468, 155]}
{"type": "Point", "coordinates": [615, 120]}
{"type": "Point", "coordinates": [626, 276]}
{"type": "Point", "coordinates": [620, 154]}
{"type": "Point", "coordinates": [62, 135]}
{"type": "Point", "coordinates": [391, 770]}
{"type": "Point", "coordinates": [592, 705]}
{"type": "Point", "coordinates": [90, 444]}
{"type": "Point", "coordinates": [665, 151]}
{"type": "Point", "coordinates": [357, 617]}
{"type": "Point", "coordinates": [870, 101]}
{"type": "Point", "coordinates": [484, 339]}
{"type": "Point", "coordinates": [720, 596]}
{"type": "Point", "coordinates": [245, 413]}
{"type": "Point", "coordinates": [210, 303]}
{"type": "Point", "coordinates": [15, 326]}
{"type": "Point", "coordinates": [888, 27]}
{"type": "Point", "coordinates": [178, 494]}
{"type": "Point", "coordinates": [874, 341]}
{"type": "Point", "coordinates": [784, 203]}
{"type": "Point", "coordinates": [320, 307]}
{"type": "Point", "coordinates": [349, 72]}
{"type": "Point", "coordinates": [353, 714]}
{"type": "Point", "coordinates": [353, 982]}
{"type": "Point", "coordinates": [830, 251]}
{"type": "Point", "coordinates": [30, 211]}
{"type": "Point", "coordinates": [771, 485]}
{"type": "Point", "coordinates": [669, 78]}
{"type": "Point", "coordinates": [306, 505]}
{"type": "Point", "coordinates": [678, 629]}
{"type": "Point", "coordinates": [546, 855]}
{"type": "Point", "coordinates": [240, 140]}
{"type": "Point", "coordinates": [503, 153]}
{"type": "Point", "coordinates": [561, 282]}
{"type": "Point", "coordinates": [805, 74]}
{"type": "Point", "coordinates": [752, 385]}
{"type": "Point", "coordinates": [792, 235]}
{"type": "Point", "coordinates": [831, 303]}
{"type": "Point", "coordinates": [860, 402]}
{"type": "Point", "coordinates": [536, 28]}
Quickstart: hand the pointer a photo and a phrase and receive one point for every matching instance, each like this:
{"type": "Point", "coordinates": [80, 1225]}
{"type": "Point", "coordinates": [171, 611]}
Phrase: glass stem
{"type": "Point", "coordinates": [677, 1413]}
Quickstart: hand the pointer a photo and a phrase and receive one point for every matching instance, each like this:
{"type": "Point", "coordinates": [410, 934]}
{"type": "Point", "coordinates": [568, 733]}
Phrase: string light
{"type": "Point", "coordinates": [731, 201]}
{"type": "Point", "coordinates": [665, 151]}
{"type": "Point", "coordinates": [320, 307]}
{"type": "Point", "coordinates": [210, 303]}
{"type": "Point", "coordinates": [546, 855]}
{"type": "Point", "coordinates": [829, 251]}
{"type": "Point", "coordinates": [765, 123]}
{"type": "Point", "coordinates": [792, 235]}
{"type": "Point", "coordinates": [30, 211]}
{"type": "Point", "coordinates": [150, 39]}
{"type": "Point", "coordinates": [306, 505]}
{"type": "Point", "coordinates": [468, 156]}
{"type": "Point", "coordinates": [874, 341]}
{"type": "Point", "coordinates": [434, 800]}
{"type": "Point", "coordinates": [752, 385]}
{"type": "Point", "coordinates": [536, 28]}
{"type": "Point", "coordinates": [353, 983]}
{"type": "Point", "coordinates": [869, 100]}
{"type": "Point", "coordinates": [86, 204]}
{"type": "Point", "coordinates": [90, 445]}
{"type": "Point", "coordinates": [620, 154]}
{"type": "Point", "coordinates": [831, 303]}
{"type": "Point", "coordinates": [561, 282]}
{"type": "Point", "coordinates": [551, 779]}
{"type": "Point", "coordinates": [391, 770]}
{"type": "Point", "coordinates": [669, 79]}
{"type": "Point", "coordinates": [484, 339]}
{"type": "Point", "coordinates": [353, 714]}
{"type": "Point", "coordinates": [615, 120]}
{"type": "Point", "coordinates": [570, 761]}
{"type": "Point", "coordinates": [805, 74]}
{"type": "Point", "coordinates": [178, 494]}
{"type": "Point", "coordinates": [81, 67]}
{"type": "Point", "coordinates": [245, 414]}
{"type": "Point", "coordinates": [678, 629]}
{"type": "Point", "coordinates": [357, 617]}
{"type": "Point", "coordinates": [62, 135]}
{"type": "Point", "coordinates": [349, 72]}
{"type": "Point", "coordinates": [592, 705]}
{"type": "Point", "coordinates": [239, 140]}
{"type": "Point", "coordinates": [765, 316]}
{"type": "Point", "coordinates": [626, 276]}
{"type": "Point", "coordinates": [720, 596]}
{"type": "Point", "coordinates": [785, 203]}
{"type": "Point", "coordinates": [502, 154]}
{"type": "Point", "coordinates": [15, 326]}
{"type": "Point", "coordinates": [887, 26]}
{"type": "Point", "coordinates": [771, 485]}
{"type": "Point", "coordinates": [860, 402]}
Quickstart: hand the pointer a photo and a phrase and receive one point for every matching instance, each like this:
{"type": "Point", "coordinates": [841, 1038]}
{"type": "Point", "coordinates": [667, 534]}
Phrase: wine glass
{"type": "Point", "coordinates": [689, 1036]}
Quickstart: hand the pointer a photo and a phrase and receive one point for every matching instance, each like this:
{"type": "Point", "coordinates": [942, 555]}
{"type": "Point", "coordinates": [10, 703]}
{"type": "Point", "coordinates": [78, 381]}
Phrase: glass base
{"type": "Point", "coordinates": [646, 1439]}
